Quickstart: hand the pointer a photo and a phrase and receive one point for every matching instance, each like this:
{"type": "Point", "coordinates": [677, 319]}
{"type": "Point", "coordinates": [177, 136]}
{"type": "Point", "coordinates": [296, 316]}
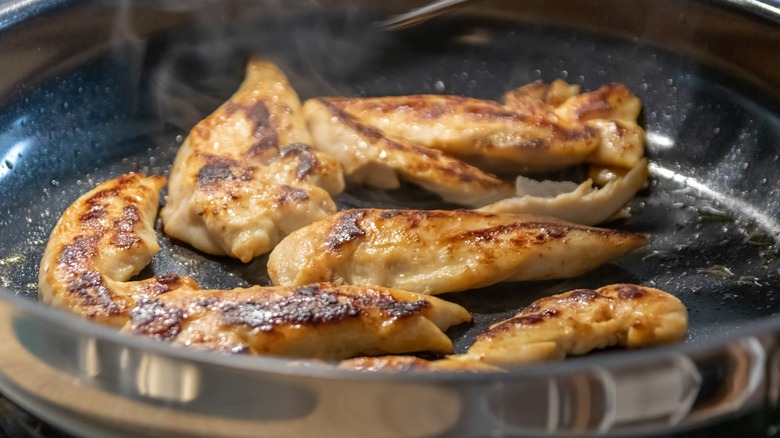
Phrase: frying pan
{"type": "Point", "coordinates": [90, 90]}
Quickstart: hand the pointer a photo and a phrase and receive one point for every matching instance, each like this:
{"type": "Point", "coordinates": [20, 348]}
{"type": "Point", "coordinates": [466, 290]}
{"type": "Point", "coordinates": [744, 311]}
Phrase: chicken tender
{"type": "Point", "coordinates": [107, 236]}
{"type": "Point", "coordinates": [246, 176]}
{"type": "Point", "coordinates": [539, 127]}
{"type": "Point", "coordinates": [437, 251]}
{"type": "Point", "coordinates": [104, 238]}
{"type": "Point", "coordinates": [572, 323]}
{"type": "Point", "coordinates": [369, 156]}
{"type": "Point", "coordinates": [322, 321]}
{"type": "Point", "coordinates": [576, 322]}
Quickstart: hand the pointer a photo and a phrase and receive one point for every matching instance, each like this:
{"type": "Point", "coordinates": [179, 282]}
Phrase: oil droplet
{"type": "Point", "coordinates": [439, 86]}
{"type": "Point", "coordinates": [179, 138]}
{"type": "Point", "coordinates": [749, 280]}
{"type": "Point", "coordinates": [54, 183]}
{"type": "Point", "coordinates": [13, 260]}
{"type": "Point", "coordinates": [716, 271]}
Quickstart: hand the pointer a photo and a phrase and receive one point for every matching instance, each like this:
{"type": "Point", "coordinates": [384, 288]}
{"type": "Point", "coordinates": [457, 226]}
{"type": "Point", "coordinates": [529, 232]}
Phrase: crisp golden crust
{"type": "Point", "coordinates": [582, 320]}
{"type": "Point", "coordinates": [612, 110]}
{"type": "Point", "coordinates": [245, 176]}
{"type": "Point", "coordinates": [369, 156]}
{"type": "Point", "coordinates": [478, 131]}
{"type": "Point", "coordinates": [539, 127]}
{"type": "Point", "coordinates": [610, 102]}
{"type": "Point", "coordinates": [323, 321]}
{"type": "Point", "coordinates": [437, 251]}
{"type": "Point", "coordinates": [104, 238]}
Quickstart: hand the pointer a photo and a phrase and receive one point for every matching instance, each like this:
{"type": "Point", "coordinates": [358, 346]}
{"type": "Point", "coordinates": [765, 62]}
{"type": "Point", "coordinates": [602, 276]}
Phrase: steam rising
{"type": "Point", "coordinates": [197, 67]}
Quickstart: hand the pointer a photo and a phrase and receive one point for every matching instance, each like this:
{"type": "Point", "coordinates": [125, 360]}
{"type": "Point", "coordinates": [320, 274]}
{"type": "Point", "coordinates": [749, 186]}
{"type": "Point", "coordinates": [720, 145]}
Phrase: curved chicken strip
{"type": "Point", "coordinates": [438, 251]}
{"type": "Point", "coordinates": [574, 322]}
{"type": "Point", "coordinates": [613, 111]}
{"type": "Point", "coordinates": [581, 204]}
{"type": "Point", "coordinates": [107, 236]}
{"type": "Point", "coordinates": [483, 132]}
{"type": "Point", "coordinates": [245, 176]}
{"type": "Point", "coordinates": [579, 321]}
{"type": "Point", "coordinates": [101, 241]}
{"type": "Point", "coordinates": [369, 156]}
{"type": "Point", "coordinates": [540, 127]}
{"type": "Point", "coordinates": [322, 321]}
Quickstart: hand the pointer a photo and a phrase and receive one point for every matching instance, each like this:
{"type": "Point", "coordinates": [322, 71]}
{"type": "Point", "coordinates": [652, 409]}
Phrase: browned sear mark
{"type": "Point", "coordinates": [153, 318]}
{"type": "Point", "coordinates": [345, 230]}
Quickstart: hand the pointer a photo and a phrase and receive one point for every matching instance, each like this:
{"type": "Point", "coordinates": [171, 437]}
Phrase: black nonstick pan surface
{"type": "Point", "coordinates": [711, 209]}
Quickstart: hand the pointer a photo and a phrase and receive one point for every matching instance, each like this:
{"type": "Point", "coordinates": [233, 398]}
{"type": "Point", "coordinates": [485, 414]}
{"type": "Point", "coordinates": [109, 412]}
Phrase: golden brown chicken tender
{"type": "Point", "coordinates": [438, 251]}
{"type": "Point", "coordinates": [104, 238]}
{"type": "Point", "coordinates": [246, 176]}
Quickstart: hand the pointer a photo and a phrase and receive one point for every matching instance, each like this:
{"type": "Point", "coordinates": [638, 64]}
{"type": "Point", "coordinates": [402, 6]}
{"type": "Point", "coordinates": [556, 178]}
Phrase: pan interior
{"type": "Point", "coordinates": [709, 211]}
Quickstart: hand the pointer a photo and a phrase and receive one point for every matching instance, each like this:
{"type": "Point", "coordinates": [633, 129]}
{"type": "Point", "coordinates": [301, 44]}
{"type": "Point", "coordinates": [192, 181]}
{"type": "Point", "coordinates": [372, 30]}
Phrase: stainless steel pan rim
{"type": "Point", "coordinates": [271, 364]}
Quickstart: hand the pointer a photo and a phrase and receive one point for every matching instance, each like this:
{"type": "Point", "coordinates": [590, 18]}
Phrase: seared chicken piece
{"type": "Point", "coordinates": [369, 156]}
{"type": "Point", "coordinates": [107, 236]}
{"type": "Point", "coordinates": [526, 99]}
{"type": "Point", "coordinates": [482, 132]}
{"type": "Point", "coordinates": [582, 204]}
{"type": "Point", "coordinates": [101, 241]}
{"type": "Point", "coordinates": [613, 111]}
{"type": "Point", "coordinates": [576, 322]}
{"type": "Point", "coordinates": [438, 251]}
{"type": "Point", "coordinates": [572, 323]}
{"type": "Point", "coordinates": [540, 127]}
{"type": "Point", "coordinates": [322, 321]}
{"type": "Point", "coordinates": [414, 364]}
{"type": "Point", "coordinates": [245, 176]}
